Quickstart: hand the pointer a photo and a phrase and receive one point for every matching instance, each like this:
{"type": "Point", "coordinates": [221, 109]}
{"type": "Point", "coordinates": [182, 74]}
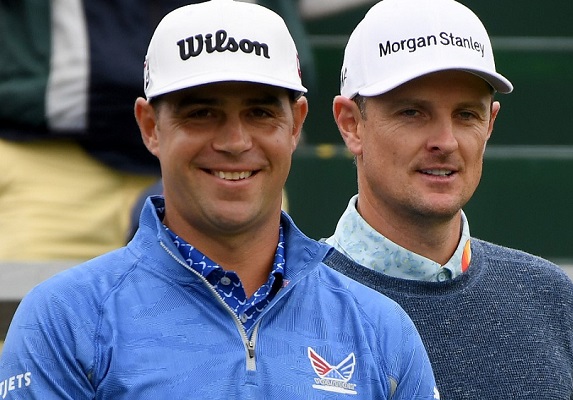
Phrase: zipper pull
{"type": "Point", "coordinates": [251, 348]}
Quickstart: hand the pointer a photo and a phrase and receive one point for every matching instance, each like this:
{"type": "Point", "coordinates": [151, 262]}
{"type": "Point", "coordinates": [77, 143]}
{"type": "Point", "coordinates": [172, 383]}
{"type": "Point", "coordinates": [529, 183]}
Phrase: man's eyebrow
{"type": "Point", "coordinates": [414, 101]}
{"type": "Point", "coordinates": [267, 100]}
{"type": "Point", "coordinates": [194, 100]}
{"type": "Point", "coordinates": [408, 101]}
{"type": "Point", "coordinates": [475, 105]}
{"type": "Point", "coordinates": [263, 100]}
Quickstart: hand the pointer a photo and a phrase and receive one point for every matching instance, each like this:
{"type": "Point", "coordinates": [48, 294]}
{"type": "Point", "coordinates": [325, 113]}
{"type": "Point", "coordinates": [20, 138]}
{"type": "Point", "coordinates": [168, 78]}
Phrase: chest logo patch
{"type": "Point", "coordinates": [333, 378]}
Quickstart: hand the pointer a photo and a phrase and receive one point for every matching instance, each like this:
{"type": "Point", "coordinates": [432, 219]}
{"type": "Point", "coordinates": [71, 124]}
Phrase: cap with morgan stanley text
{"type": "Point", "coordinates": [217, 41]}
{"type": "Point", "coordinates": [400, 40]}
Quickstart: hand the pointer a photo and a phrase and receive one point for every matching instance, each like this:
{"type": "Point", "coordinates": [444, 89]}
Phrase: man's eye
{"type": "Point", "coordinates": [466, 115]}
{"type": "Point", "coordinates": [260, 113]}
{"type": "Point", "coordinates": [410, 112]}
{"type": "Point", "coordinates": [199, 113]}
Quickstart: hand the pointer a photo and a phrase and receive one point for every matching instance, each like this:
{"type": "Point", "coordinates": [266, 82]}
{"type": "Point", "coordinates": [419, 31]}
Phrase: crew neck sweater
{"type": "Point", "coordinates": [502, 330]}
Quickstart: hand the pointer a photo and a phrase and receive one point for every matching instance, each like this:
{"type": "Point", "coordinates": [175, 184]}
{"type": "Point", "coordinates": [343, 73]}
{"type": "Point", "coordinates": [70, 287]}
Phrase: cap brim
{"type": "Point", "coordinates": [497, 81]}
{"type": "Point", "coordinates": [231, 76]}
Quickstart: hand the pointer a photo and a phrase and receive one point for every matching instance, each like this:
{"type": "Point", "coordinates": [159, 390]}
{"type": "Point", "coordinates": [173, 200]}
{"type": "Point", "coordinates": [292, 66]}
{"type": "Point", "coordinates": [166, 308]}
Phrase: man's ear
{"type": "Point", "coordinates": [495, 107]}
{"type": "Point", "coordinates": [146, 118]}
{"type": "Point", "coordinates": [300, 111]}
{"type": "Point", "coordinates": [348, 118]}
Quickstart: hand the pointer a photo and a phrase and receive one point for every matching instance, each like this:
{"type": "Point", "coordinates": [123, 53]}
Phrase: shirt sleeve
{"type": "Point", "coordinates": [49, 350]}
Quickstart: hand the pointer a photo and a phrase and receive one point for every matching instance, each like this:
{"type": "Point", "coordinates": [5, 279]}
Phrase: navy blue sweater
{"type": "Point", "coordinates": [502, 330]}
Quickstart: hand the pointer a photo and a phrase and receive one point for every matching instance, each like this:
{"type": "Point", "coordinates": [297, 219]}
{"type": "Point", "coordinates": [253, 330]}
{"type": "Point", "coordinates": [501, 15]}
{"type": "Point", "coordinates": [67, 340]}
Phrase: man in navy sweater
{"type": "Point", "coordinates": [417, 109]}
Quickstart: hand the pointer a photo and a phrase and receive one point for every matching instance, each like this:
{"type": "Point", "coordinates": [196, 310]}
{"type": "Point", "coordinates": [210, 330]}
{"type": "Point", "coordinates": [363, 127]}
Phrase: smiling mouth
{"type": "Point", "coordinates": [437, 172]}
{"type": "Point", "coordinates": [232, 176]}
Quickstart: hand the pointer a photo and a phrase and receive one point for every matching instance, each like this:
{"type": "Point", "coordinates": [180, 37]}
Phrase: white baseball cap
{"type": "Point", "coordinates": [400, 40]}
{"type": "Point", "coordinates": [217, 41]}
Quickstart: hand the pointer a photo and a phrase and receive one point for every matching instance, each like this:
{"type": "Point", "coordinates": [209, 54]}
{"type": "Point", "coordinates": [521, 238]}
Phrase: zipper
{"type": "Point", "coordinates": [251, 348]}
{"type": "Point", "coordinates": [249, 343]}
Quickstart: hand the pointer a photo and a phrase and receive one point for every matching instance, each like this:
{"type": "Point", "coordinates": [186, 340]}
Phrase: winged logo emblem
{"type": "Point", "coordinates": [333, 378]}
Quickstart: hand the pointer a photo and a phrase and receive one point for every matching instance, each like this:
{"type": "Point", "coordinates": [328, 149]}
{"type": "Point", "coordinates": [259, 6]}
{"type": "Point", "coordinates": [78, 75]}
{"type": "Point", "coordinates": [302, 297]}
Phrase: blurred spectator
{"type": "Point", "coordinates": [72, 158]}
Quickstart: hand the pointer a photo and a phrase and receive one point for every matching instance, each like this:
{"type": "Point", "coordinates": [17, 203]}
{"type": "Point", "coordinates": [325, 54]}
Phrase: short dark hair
{"type": "Point", "coordinates": [361, 103]}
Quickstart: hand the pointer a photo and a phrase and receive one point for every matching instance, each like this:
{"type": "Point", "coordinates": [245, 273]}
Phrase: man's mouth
{"type": "Point", "coordinates": [437, 172]}
{"type": "Point", "coordinates": [232, 176]}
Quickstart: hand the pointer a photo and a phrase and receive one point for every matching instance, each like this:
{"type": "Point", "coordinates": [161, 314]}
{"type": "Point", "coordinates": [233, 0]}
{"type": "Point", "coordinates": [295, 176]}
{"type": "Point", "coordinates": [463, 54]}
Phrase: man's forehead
{"type": "Point", "coordinates": [445, 80]}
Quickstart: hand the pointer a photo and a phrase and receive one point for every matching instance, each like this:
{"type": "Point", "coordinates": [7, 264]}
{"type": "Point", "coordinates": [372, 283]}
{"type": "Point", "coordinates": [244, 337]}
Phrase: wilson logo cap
{"type": "Point", "coordinates": [217, 41]}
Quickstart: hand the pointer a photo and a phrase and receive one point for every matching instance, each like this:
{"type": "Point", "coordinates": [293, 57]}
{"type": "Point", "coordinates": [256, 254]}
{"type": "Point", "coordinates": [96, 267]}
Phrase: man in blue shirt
{"type": "Point", "coordinates": [218, 295]}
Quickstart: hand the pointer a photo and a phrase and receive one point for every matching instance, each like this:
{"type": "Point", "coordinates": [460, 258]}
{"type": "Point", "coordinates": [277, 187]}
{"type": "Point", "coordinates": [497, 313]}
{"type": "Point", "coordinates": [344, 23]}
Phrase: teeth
{"type": "Point", "coordinates": [437, 172]}
{"type": "Point", "coordinates": [233, 176]}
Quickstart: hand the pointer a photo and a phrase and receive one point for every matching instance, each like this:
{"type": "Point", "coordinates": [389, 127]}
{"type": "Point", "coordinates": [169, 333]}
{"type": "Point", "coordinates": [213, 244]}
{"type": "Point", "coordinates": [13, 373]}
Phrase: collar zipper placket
{"type": "Point", "coordinates": [248, 342]}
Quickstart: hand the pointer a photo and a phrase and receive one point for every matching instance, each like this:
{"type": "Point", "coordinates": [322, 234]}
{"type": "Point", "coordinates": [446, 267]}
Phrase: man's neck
{"type": "Point", "coordinates": [434, 239]}
{"type": "Point", "coordinates": [250, 256]}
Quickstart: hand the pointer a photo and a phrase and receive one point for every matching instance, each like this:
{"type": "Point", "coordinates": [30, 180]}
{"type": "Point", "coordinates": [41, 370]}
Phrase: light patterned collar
{"type": "Point", "coordinates": [359, 241]}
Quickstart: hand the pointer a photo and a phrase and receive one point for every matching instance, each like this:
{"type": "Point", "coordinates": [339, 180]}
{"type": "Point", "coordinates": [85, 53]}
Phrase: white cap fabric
{"type": "Point", "coordinates": [400, 40]}
{"type": "Point", "coordinates": [217, 41]}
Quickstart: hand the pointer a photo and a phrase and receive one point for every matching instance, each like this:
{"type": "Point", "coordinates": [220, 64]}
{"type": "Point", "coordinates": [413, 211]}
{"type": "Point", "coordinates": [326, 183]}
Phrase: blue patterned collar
{"type": "Point", "coordinates": [228, 284]}
{"type": "Point", "coordinates": [359, 241]}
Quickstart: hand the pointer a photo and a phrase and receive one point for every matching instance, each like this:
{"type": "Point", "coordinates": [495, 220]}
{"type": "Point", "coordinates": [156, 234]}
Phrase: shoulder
{"type": "Point", "coordinates": [524, 272]}
{"type": "Point", "coordinates": [516, 259]}
{"type": "Point", "coordinates": [368, 301]}
{"type": "Point", "coordinates": [81, 287]}
{"type": "Point", "coordinates": [376, 312]}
